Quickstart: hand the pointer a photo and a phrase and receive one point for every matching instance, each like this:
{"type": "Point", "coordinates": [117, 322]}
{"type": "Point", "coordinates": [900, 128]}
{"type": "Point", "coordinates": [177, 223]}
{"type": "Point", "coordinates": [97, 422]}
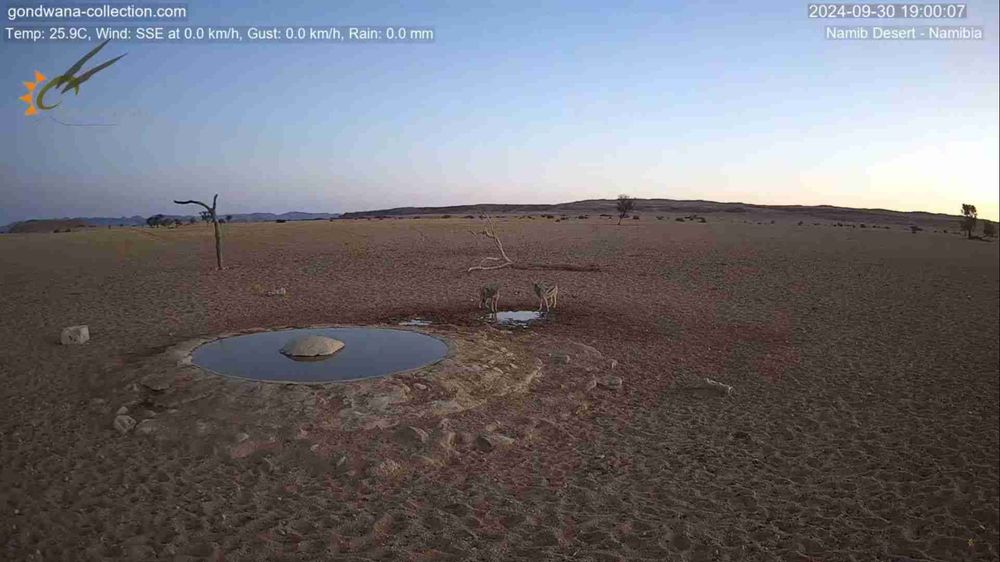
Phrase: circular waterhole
{"type": "Point", "coordinates": [367, 353]}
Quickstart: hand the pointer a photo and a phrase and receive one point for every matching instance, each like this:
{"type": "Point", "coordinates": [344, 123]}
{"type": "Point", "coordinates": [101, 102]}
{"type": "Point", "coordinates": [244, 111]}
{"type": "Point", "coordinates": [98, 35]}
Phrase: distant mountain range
{"type": "Point", "coordinates": [670, 206]}
{"type": "Point", "coordinates": [826, 213]}
{"type": "Point", "coordinates": [48, 225]}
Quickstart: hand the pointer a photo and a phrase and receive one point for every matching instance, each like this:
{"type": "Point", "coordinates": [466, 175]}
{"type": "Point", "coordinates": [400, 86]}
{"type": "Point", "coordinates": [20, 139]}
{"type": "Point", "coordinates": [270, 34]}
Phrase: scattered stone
{"type": "Point", "coordinates": [241, 437]}
{"type": "Point", "coordinates": [445, 439]}
{"type": "Point", "coordinates": [614, 363]}
{"type": "Point", "coordinates": [445, 407]}
{"type": "Point", "coordinates": [122, 411]}
{"type": "Point", "coordinates": [411, 436]}
{"type": "Point", "coordinates": [202, 427]}
{"type": "Point", "coordinates": [279, 292]}
{"type": "Point", "coordinates": [590, 384]}
{"type": "Point", "coordinates": [387, 469]}
{"type": "Point", "coordinates": [312, 346]}
{"type": "Point", "coordinates": [100, 406]}
{"type": "Point", "coordinates": [427, 461]}
{"type": "Point", "coordinates": [75, 335]}
{"type": "Point", "coordinates": [610, 382]}
{"type": "Point", "coordinates": [157, 382]}
{"type": "Point", "coordinates": [124, 424]}
{"type": "Point", "coordinates": [379, 403]}
{"type": "Point", "coordinates": [251, 447]}
{"type": "Point", "coordinates": [379, 423]}
{"type": "Point", "coordinates": [491, 441]}
{"type": "Point", "coordinates": [560, 358]}
{"type": "Point", "coordinates": [149, 427]}
{"type": "Point", "coordinates": [420, 386]}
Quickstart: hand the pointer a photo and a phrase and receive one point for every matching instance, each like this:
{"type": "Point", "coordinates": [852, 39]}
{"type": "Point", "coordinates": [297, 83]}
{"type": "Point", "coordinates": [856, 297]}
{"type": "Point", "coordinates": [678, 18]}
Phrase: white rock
{"type": "Point", "coordinates": [312, 346]}
{"type": "Point", "coordinates": [75, 335]}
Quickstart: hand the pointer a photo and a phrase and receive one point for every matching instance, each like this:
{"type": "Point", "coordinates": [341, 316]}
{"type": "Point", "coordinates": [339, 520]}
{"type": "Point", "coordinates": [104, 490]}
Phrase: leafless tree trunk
{"type": "Point", "coordinates": [215, 223]}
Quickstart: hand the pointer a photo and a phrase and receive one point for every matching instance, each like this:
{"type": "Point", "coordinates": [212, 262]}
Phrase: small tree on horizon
{"type": "Point", "coordinates": [625, 204]}
{"type": "Point", "coordinates": [989, 230]}
{"type": "Point", "coordinates": [969, 222]}
{"type": "Point", "coordinates": [212, 216]}
{"type": "Point", "coordinates": [155, 221]}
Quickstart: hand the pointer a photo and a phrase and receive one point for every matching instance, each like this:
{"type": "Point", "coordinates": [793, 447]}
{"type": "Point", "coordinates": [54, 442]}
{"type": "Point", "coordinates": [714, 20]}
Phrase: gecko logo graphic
{"type": "Point", "coordinates": [68, 79]}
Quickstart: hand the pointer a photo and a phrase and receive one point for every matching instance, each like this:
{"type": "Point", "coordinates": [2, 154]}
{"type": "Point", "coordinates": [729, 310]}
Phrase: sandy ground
{"type": "Point", "coordinates": [863, 423]}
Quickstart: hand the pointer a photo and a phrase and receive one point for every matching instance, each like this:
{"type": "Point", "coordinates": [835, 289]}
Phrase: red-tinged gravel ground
{"type": "Point", "coordinates": [863, 424]}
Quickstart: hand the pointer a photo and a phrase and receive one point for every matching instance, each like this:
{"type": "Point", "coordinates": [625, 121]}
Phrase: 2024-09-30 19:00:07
{"type": "Point", "coordinates": [887, 11]}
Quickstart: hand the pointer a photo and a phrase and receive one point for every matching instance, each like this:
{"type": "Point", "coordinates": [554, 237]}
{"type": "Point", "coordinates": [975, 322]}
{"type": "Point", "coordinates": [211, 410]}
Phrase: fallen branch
{"type": "Point", "coordinates": [725, 387]}
{"type": "Point", "coordinates": [556, 267]}
{"type": "Point", "coordinates": [491, 233]}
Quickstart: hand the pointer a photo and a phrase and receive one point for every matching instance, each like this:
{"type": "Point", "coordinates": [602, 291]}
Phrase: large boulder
{"type": "Point", "coordinates": [312, 346]}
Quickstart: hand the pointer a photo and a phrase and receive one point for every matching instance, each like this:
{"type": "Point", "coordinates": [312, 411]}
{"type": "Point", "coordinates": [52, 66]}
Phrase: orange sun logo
{"type": "Point", "coordinates": [28, 98]}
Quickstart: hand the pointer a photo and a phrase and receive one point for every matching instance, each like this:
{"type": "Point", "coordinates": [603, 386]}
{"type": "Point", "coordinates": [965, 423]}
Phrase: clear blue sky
{"type": "Point", "coordinates": [528, 102]}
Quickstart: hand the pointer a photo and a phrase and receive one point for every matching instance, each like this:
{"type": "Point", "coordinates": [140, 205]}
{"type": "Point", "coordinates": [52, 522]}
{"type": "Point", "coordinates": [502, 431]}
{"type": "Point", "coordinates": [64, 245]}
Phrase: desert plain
{"type": "Point", "coordinates": [862, 422]}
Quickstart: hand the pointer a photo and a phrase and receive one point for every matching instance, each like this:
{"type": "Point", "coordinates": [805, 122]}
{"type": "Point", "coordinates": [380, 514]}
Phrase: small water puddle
{"type": "Point", "coordinates": [367, 353]}
{"type": "Point", "coordinates": [415, 322]}
{"type": "Point", "coordinates": [520, 318]}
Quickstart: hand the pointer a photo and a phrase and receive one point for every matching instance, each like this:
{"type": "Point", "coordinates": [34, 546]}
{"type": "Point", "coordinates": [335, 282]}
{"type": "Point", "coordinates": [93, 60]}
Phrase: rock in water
{"type": "Point", "coordinates": [312, 346]}
{"type": "Point", "coordinates": [75, 335]}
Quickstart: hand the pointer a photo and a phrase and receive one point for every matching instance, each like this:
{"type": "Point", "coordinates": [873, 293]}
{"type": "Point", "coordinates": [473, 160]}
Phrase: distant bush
{"type": "Point", "coordinates": [280, 221]}
{"type": "Point", "coordinates": [446, 216]}
{"type": "Point", "coordinates": [659, 218]}
{"type": "Point", "coordinates": [624, 205]}
{"type": "Point", "coordinates": [989, 230]}
{"type": "Point", "coordinates": [969, 221]}
{"type": "Point", "coordinates": [915, 229]}
{"type": "Point", "coordinates": [635, 217]}
{"type": "Point", "coordinates": [679, 219]}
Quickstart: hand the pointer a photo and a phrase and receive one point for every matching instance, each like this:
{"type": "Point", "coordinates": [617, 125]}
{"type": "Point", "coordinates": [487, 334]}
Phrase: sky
{"type": "Point", "coordinates": [513, 102]}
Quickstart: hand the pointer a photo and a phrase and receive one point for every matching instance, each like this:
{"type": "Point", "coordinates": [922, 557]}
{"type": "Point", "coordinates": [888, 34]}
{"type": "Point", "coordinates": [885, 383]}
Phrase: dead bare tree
{"type": "Point", "coordinates": [215, 223]}
{"type": "Point", "coordinates": [503, 261]}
